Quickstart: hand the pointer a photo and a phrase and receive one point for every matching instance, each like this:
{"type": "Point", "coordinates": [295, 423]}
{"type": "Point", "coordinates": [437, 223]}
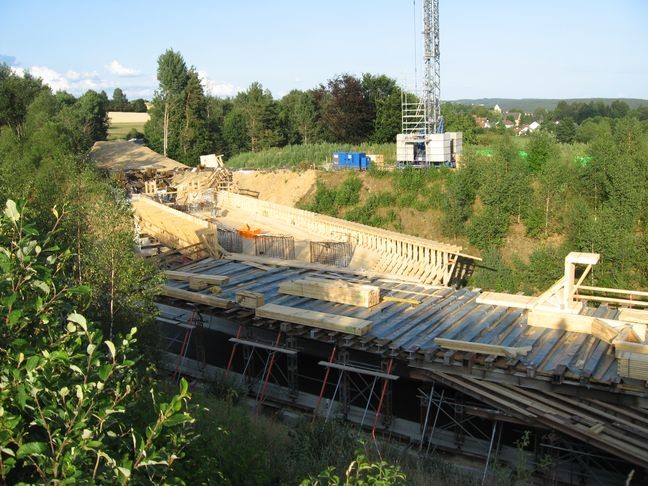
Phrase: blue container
{"type": "Point", "coordinates": [350, 160]}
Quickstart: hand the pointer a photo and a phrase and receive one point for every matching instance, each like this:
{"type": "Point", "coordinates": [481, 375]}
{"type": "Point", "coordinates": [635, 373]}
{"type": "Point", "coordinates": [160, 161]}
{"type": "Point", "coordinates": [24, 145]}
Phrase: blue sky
{"type": "Point", "coordinates": [496, 48]}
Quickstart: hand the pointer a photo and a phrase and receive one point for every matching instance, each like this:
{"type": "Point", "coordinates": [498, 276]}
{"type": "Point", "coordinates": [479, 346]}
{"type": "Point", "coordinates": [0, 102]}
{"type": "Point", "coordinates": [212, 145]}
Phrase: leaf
{"type": "Point", "coordinates": [90, 349]}
{"type": "Point", "coordinates": [32, 362]}
{"type": "Point", "coordinates": [79, 319]}
{"type": "Point", "coordinates": [184, 386]}
{"type": "Point", "coordinates": [76, 369]}
{"type": "Point", "coordinates": [104, 372]}
{"type": "Point", "coordinates": [41, 285]}
{"type": "Point", "coordinates": [125, 472]}
{"type": "Point", "coordinates": [179, 418]}
{"type": "Point", "coordinates": [30, 449]}
{"type": "Point", "coordinates": [111, 348]}
{"type": "Point", "coordinates": [11, 211]}
{"type": "Point", "coordinates": [55, 212]}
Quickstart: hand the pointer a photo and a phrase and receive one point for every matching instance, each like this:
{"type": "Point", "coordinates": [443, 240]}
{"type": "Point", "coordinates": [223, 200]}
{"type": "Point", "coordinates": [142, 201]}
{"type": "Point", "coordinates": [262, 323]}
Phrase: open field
{"type": "Point", "coordinates": [120, 123]}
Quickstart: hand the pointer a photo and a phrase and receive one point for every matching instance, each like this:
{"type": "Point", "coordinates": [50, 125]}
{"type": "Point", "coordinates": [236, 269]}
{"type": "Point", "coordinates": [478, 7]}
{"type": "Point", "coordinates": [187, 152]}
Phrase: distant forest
{"type": "Point", "coordinates": [530, 105]}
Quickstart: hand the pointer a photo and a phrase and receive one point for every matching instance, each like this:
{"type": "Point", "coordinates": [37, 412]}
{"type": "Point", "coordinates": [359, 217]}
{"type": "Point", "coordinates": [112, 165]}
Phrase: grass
{"type": "Point", "coordinates": [305, 156]}
{"type": "Point", "coordinates": [117, 131]}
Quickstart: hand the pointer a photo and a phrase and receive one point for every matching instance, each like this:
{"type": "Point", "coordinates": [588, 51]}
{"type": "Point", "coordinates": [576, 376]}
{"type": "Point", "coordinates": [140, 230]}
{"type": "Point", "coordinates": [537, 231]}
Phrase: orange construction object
{"type": "Point", "coordinates": [247, 232]}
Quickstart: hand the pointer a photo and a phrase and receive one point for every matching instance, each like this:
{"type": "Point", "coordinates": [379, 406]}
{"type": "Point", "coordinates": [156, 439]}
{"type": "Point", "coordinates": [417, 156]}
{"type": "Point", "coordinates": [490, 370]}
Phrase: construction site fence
{"type": "Point", "coordinates": [275, 246]}
{"type": "Point", "coordinates": [412, 248]}
{"type": "Point", "coordinates": [338, 253]}
{"type": "Point", "coordinates": [230, 240]}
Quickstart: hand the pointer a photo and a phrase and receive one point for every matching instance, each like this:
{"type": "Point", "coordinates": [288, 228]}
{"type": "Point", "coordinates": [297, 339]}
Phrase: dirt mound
{"type": "Point", "coordinates": [278, 186]}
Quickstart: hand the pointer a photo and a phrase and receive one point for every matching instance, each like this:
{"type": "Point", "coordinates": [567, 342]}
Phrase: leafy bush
{"type": "Point", "coordinates": [70, 402]}
{"type": "Point", "coordinates": [488, 228]}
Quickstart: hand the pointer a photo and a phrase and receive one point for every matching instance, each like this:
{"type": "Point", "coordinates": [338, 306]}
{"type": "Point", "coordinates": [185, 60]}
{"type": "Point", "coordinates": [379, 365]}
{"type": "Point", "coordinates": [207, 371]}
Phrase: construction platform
{"type": "Point", "coordinates": [567, 382]}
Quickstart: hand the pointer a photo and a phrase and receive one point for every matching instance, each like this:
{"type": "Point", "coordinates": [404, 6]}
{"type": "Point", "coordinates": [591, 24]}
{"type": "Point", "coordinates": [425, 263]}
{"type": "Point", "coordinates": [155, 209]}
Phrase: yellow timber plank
{"type": "Point", "coordinates": [196, 297]}
{"type": "Point", "coordinates": [507, 300]}
{"type": "Point", "coordinates": [321, 320]}
{"type": "Point", "coordinates": [482, 348]}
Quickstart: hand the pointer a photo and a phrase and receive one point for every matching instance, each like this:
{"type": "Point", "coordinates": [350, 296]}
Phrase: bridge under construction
{"type": "Point", "coordinates": [346, 322]}
{"type": "Point", "coordinates": [403, 350]}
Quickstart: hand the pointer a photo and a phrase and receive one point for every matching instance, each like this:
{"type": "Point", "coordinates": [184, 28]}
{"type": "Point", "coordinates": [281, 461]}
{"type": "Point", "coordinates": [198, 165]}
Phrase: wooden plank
{"type": "Point", "coordinates": [585, 324]}
{"type": "Point", "coordinates": [389, 298]}
{"type": "Point", "coordinates": [604, 331]}
{"type": "Point", "coordinates": [196, 277]}
{"type": "Point", "coordinates": [565, 322]}
{"type": "Point", "coordinates": [321, 320]}
{"type": "Point", "coordinates": [633, 315]}
{"type": "Point", "coordinates": [621, 346]}
{"type": "Point", "coordinates": [196, 297]}
{"type": "Point", "coordinates": [339, 291]}
{"type": "Point", "coordinates": [482, 348]}
{"type": "Point", "coordinates": [249, 299]}
{"type": "Point", "coordinates": [507, 300]}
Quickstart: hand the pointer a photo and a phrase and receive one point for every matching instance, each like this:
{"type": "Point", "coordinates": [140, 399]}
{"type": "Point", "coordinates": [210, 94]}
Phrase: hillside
{"type": "Point", "coordinates": [532, 104]}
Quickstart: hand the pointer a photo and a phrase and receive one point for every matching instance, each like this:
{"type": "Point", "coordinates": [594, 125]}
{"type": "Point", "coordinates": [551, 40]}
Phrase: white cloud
{"type": "Point", "coordinates": [215, 88]}
{"type": "Point", "coordinates": [53, 79]}
{"type": "Point", "coordinates": [118, 69]}
{"type": "Point", "coordinates": [75, 76]}
{"type": "Point", "coordinates": [18, 71]}
{"type": "Point", "coordinates": [72, 81]}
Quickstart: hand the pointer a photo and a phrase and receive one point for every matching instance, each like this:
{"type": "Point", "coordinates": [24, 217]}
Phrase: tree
{"type": "Point", "coordinates": [68, 398]}
{"type": "Point", "coordinates": [347, 111]}
{"type": "Point", "coordinates": [566, 130]}
{"type": "Point", "coordinates": [119, 101]}
{"type": "Point", "coordinates": [172, 75]}
{"type": "Point", "coordinates": [195, 139]}
{"type": "Point", "coordinates": [259, 112]}
{"type": "Point", "coordinates": [541, 148]}
{"type": "Point", "coordinates": [235, 132]}
{"type": "Point", "coordinates": [305, 116]}
{"type": "Point", "coordinates": [383, 92]}
{"type": "Point", "coordinates": [16, 93]}
{"type": "Point", "coordinates": [138, 106]}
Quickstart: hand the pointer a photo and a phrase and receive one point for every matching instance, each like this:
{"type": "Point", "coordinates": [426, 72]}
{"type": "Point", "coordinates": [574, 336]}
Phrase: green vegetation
{"type": "Point", "coordinates": [299, 157]}
{"type": "Point", "coordinates": [559, 203]}
{"type": "Point", "coordinates": [125, 131]}
{"type": "Point", "coordinates": [80, 399]}
{"type": "Point", "coordinates": [74, 407]}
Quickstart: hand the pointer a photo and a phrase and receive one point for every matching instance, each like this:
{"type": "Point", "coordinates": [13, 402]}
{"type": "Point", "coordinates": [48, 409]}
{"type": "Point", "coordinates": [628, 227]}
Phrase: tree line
{"type": "Point", "coordinates": [186, 123]}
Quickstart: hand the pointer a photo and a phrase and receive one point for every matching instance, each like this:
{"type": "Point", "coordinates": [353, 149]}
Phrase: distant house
{"type": "Point", "coordinates": [482, 121]}
{"type": "Point", "coordinates": [517, 116]}
{"type": "Point", "coordinates": [526, 129]}
{"type": "Point", "coordinates": [509, 124]}
{"type": "Point", "coordinates": [497, 109]}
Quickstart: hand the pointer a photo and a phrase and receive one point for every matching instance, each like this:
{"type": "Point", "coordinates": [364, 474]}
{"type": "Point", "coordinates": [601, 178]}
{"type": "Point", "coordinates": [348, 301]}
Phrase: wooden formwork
{"type": "Point", "coordinates": [405, 255]}
{"type": "Point", "coordinates": [230, 240]}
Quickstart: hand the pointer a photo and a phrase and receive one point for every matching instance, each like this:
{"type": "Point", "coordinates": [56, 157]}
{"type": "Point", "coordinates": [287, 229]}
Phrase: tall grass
{"type": "Point", "coordinates": [306, 156]}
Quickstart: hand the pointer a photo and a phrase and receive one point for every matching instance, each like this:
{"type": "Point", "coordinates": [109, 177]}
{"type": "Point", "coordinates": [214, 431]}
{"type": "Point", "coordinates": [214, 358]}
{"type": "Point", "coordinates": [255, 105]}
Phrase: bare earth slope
{"type": "Point", "coordinates": [278, 186]}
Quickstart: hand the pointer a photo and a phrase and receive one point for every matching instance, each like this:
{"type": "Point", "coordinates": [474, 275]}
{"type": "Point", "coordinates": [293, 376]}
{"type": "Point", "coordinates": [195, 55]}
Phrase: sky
{"type": "Point", "coordinates": [496, 48]}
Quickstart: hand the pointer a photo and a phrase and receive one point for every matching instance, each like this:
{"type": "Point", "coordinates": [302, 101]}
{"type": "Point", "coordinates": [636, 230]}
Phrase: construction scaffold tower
{"type": "Point", "coordinates": [424, 141]}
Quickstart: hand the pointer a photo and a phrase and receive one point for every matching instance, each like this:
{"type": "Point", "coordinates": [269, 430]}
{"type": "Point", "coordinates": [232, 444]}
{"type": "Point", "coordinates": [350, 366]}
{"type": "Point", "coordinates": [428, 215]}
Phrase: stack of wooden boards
{"type": "Point", "coordinates": [339, 291]}
{"type": "Point", "coordinates": [322, 320]}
